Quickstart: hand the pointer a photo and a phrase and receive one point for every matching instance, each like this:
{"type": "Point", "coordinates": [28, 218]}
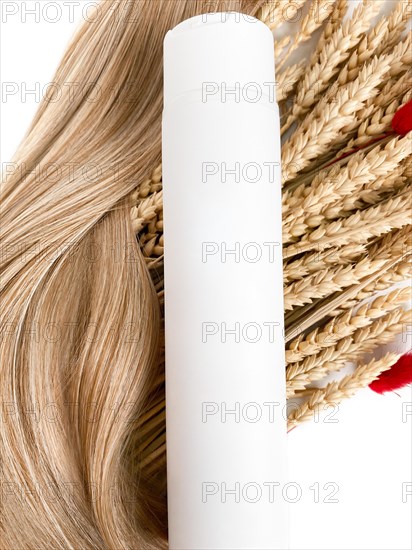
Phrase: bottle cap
{"type": "Point", "coordinates": [218, 50]}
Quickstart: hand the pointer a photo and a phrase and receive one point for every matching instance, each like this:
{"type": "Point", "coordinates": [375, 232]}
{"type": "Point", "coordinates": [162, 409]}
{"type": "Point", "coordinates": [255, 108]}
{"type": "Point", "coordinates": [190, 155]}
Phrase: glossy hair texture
{"type": "Point", "coordinates": [80, 318]}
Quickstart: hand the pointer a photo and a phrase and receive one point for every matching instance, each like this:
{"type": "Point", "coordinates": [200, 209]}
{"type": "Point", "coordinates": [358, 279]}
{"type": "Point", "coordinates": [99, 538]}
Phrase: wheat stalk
{"type": "Point", "coordinates": [358, 228]}
{"type": "Point", "coordinates": [316, 261]}
{"type": "Point", "coordinates": [306, 345]}
{"type": "Point", "coordinates": [339, 10]}
{"type": "Point", "coordinates": [288, 79]}
{"type": "Point", "coordinates": [280, 45]}
{"type": "Point", "coordinates": [348, 349]}
{"type": "Point", "coordinates": [397, 22]}
{"type": "Point", "coordinates": [323, 126]}
{"type": "Point", "coordinates": [275, 12]}
{"type": "Point", "coordinates": [398, 273]}
{"type": "Point", "coordinates": [319, 11]}
{"type": "Point", "coordinates": [386, 33]}
{"type": "Point", "coordinates": [301, 319]}
{"type": "Point", "coordinates": [334, 52]}
{"type": "Point", "coordinates": [378, 123]}
{"type": "Point", "coordinates": [382, 332]}
{"type": "Point", "coordinates": [146, 210]}
{"type": "Point", "coordinates": [398, 59]}
{"type": "Point", "coordinates": [401, 57]}
{"type": "Point", "coordinates": [377, 191]}
{"type": "Point", "coordinates": [395, 88]}
{"type": "Point", "coordinates": [365, 50]}
{"type": "Point", "coordinates": [326, 282]}
{"type": "Point", "coordinates": [328, 349]}
{"type": "Point", "coordinates": [335, 392]}
{"type": "Point", "coordinates": [322, 200]}
{"type": "Point", "coordinates": [334, 279]}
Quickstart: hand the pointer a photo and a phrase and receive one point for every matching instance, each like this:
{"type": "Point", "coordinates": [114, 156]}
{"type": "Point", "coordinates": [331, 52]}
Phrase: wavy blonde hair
{"type": "Point", "coordinates": [80, 318]}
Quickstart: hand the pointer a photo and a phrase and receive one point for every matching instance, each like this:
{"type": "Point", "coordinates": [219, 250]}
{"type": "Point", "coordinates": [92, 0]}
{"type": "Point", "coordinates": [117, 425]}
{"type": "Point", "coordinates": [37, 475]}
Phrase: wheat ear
{"type": "Point", "coordinates": [280, 45]}
{"type": "Point", "coordinates": [397, 22]}
{"type": "Point", "coordinates": [324, 198]}
{"type": "Point", "coordinates": [323, 126]}
{"type": "Point", "coordinates": [287, 80]}
{"type": "Point", "coordinates": [334, 52]}
{"type": "Point", "coordinates": [393, 213]}
{"type": "Point", "coordinates": [316, 261]}
{"type": "Point", "coordinates": [340, 8]}
{"type": "Point", "coordinates": [302, 319]}
{"type": "Point", "coordinates": [335, 392]}
{"type": "Point", "coordinates": [348, 349]}
{"type": "Point", "coordinates": [378, 123]}
{"type": "Point", "coordinates": [275, 12]}
{"type": "Point", "coordinates": [382, 38]}
{"type": "Point", "coordinates": [319, 11]}
{"type": "Point", "coordinates": [306, 345]}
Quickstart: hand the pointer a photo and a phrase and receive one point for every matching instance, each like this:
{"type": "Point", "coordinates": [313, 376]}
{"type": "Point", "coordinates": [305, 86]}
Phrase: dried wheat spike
{"type": "Point", "coordinates": [397, 22]}
{"type": "Point", "coordinates": [358, 228]}
{"type": "Point", "coordinates": [376, 117]}
{"type": "Point", "coordinates": [376, 125]}
{"type": "Point", "coordinates": [276, 12]}
{"type": "Point", "coordinates": [372, 192]}
{"type": "Point", "coordinates": [402, 56]}
{"type": "Point", "coordinates": [329, 280]}
{"type": "Point", "coordinates": [323, 126]}
{"type": "Point", "coordinates": [343, 325]}
{"type": "Point", "coordinates": [280, 45]}
{"type": "Point", "coordinates": [381, 332]}
{"type": "Point", "coordinates": [382, 38]}
{"type": "Point", "coordinates": [147, 210]}
{"type": "Point", "coordinates": [324, 198]}
{"type": "Point", "coordinates": [316, 261]}
{"type": "Point", "coordinates": [350, 348]}
{"type": "Point", "coordinates": [394, 88]}
{"type": "Point", "coordinates": [335, 51]}
{"type": "Point", "coordinates": [365, 50]}
{"type": "Point", "coordinates": [334, 279]}
{"type": "Point", "coordinates": [340, 327]}
{"type": "Point", "coordinates": [319, 11]}
{"type": "Point", "coordinates": [339, 11]}
{"type": "Point", "coordinates": [379, 191]}
{"type": "Point", "coordinates": [148, 186]}
{"type": "Point", "coordinates": [399, 59]}
{"type": "Point", "coordinates": [400, 273]}
{"type": "Point", "coordinates": [287, 80]}
{"type": "Point", "coordinates": [399, 243]}
{"type": "Point", "coordinates": [335, 392]}
{"type": "Point", "coordinates": [408, 170]}
{"type": "Point", "coordinates": [381, 335]}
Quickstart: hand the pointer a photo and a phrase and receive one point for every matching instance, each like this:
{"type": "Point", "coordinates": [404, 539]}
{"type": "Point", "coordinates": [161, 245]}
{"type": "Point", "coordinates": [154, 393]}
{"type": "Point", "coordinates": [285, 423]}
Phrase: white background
{"type": "Point", "coordinates": [364, 449]}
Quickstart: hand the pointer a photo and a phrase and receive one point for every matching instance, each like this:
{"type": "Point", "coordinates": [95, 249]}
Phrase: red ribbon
{"type": "Point", "coordinates": [402, 121]}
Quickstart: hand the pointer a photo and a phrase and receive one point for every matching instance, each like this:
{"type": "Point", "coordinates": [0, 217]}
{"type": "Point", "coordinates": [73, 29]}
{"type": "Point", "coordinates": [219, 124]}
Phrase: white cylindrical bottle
{"type": "Point", "coordinates": [225, 373]}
